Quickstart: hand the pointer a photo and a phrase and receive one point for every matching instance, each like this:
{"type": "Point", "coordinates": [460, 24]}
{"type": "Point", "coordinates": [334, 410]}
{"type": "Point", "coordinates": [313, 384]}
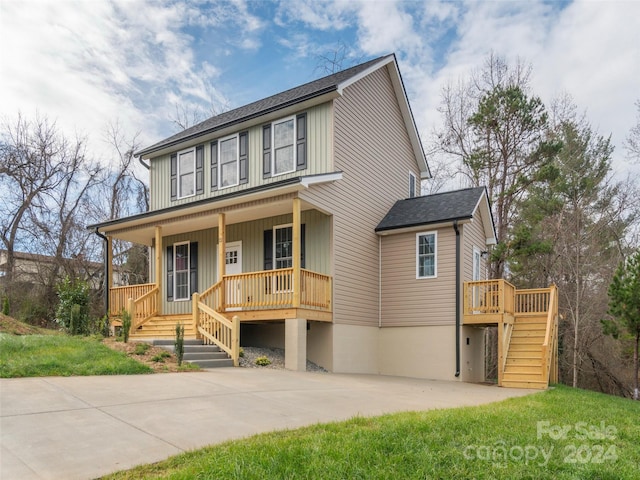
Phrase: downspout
{"type": "Point", "coordinates": [142, 163]}
{"type": "Point", "coordinates": [106, 271]}
{"type": "Point", "coordinates": [379, 281]}
{"type": "Point", "coordinates": [457, 230]}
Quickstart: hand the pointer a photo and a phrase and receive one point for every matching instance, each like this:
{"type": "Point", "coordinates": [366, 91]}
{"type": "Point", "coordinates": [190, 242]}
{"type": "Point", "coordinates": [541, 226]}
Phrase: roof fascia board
{"type": "Point", "coordinates": [356, 78]}
{"type": "Point", "coordinates": [487, 218]}
{"type": "Point", "coordinates": [265, 115]}
{"type": "Point", "coordinates": [422, 226]}
{"type": "Point", "coordinates": [310, 180]}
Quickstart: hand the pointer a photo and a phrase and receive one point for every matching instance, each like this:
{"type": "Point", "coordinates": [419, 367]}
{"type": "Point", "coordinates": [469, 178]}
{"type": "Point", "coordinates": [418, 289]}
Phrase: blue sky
{"type": "Point", "coordinates": [93, 62]}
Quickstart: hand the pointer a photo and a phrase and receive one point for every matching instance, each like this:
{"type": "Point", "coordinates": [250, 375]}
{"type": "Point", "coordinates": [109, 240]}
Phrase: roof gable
{"type": "Point", "coordinates": [445, 207]}
{"type": "Point", "coordinates": [334, 83]}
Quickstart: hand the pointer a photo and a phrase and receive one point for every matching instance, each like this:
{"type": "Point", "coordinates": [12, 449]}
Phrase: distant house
{"type": "Point", "coordinates": [36, 268]}
{"type": "Point", "coordinates": [296, 222]}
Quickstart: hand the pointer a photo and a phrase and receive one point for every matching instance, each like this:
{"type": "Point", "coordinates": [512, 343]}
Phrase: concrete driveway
{"type": "Point", "coordinates": [85, 427]}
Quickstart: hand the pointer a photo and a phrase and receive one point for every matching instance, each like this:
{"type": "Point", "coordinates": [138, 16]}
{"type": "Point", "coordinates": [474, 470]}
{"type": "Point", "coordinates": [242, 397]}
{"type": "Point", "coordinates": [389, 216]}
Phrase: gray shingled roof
{"type": "Point", "coordinates": [430, 209]}
{"type": "Point", "coordinates": [266, 105]}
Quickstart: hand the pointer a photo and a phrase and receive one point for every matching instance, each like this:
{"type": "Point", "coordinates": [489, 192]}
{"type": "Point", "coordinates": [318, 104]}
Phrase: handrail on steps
{"type": "Point", "coordinates": [550, 333]}
{"type": "Point", "coordinates": [216, 328]}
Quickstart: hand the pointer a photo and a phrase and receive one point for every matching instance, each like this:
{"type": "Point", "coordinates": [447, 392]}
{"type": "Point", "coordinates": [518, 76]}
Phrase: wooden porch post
{"type": "Point", "coordinates": [296, 251]}
{"type": "Point", "coordinates": [159, 250]}
{"type": "Point", "coordinates": [222, 236]}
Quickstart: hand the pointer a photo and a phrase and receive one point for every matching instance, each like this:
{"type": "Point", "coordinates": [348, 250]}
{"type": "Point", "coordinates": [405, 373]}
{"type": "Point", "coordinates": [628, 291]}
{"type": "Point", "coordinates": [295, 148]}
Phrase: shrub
{"type": "Point", "coordinates": [5, 306]}
{"type": "Point", "coordinates": [126, 325]}
{"type": "Point", "coordinates": [159, 358]}
{"type": "Point", "coordinates": [179, 345]}
{"type": "Point", "coordinates": [262, 361]}
{"type": "Point", "coordinates": [241, 353]}
{"type": "Point", "coordinates": [141, 348]}
{"type": "Point", "coordinates": [73, 307]}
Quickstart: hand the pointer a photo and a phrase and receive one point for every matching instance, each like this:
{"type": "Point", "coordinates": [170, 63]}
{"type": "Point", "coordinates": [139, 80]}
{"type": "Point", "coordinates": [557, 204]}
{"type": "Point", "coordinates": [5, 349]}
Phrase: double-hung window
{"type": "Point", "coordinates": [284, 144]}
{"type": "Point", "coordinates": [228, 154]}
{"type": "Point", "coordinates": [230, 161]}
{"type": "Point", "coordinates": [426, 255]}
{"type": "Point", "coordinates": [181, 271]}
{"type": "Point", "coordinates": [283, 246]}
{"type": "Point", "coordinates": [187, 173]}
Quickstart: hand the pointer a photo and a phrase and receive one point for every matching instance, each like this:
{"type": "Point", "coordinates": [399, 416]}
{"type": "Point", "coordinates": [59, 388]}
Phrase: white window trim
{"type": "Point", "coordinates": [175, 272]}
{"type": "Point", "coordinates": [181, 152]}
{"type": "Point", "coordinates": [413, 180]}
{"type": "Point", "coordinates": [273, 145]}
{"type": "Point", "coordinates": [435, 255]}
{"type": "Point", "coordinates": [278, 227]}
{"type": "Point", "coordinates": [478, 252]}
{"type": "Point", "coordinates": [237, 137]}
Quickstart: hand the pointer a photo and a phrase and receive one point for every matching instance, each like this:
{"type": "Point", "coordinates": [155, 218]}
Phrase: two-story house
{"type": "Point", "coordinates": [296, 222]}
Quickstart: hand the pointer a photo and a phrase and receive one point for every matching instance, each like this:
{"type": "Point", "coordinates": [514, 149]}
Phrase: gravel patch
{"type": "Point", "coordinates": [275, 355]}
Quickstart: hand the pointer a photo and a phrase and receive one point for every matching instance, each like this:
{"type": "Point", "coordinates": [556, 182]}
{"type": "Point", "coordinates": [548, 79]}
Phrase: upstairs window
{"type": "Point", "coordinates": [187, 167]}
{"type": "Point", "coordinates": [229, 161]}
{"type": "Point", "coordinates": [426, 255]}
{"type": "Point", "coordinates": [284, 144]}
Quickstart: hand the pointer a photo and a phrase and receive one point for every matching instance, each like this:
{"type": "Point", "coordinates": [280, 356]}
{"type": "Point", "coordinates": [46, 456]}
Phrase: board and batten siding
{"type": "Point", "coordinates": [373, 150]}
{"type": "Point", "coordinates": [251, 234]}
{"type": "Point", "coordinates": [411, 301]}
{"type": "Point", "coordinates": [319, 160]}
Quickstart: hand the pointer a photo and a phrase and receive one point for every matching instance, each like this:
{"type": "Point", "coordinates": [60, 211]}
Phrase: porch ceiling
{"type": "Point", "coordinates": [142, 231]}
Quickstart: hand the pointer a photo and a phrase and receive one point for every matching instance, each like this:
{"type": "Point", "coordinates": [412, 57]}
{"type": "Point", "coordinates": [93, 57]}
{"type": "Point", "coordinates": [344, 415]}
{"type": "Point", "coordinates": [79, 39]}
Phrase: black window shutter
{"type": "Point", "coordinates": [214, 166]}
{"type": "Point", "coordinates": [200, 169]}
{"type": "Point", "coordinates": [301, 141]}
{"type": "Point", "coordinates": [174, 176]}
{"type": "Point", "coordinates": [302, 246]}
{"type": "Point", "coordinates": [266, 151]}
{"type": "Point", "coordinates": [170, 273]}
{"type": "Point", "coordinates": [193, 267]}
{"type": "Point", "coordinates": [244, 157]}
{"type": "Point", "coordinates": [268, 249]}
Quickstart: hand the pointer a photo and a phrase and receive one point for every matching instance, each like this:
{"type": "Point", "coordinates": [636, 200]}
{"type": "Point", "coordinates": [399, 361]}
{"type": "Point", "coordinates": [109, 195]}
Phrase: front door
{"type": "Point", "coordinates": [233, 266]}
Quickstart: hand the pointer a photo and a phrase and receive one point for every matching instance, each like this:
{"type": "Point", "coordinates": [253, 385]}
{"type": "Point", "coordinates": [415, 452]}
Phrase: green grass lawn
{"type": "Point", "coordinates": [560, 434]}
{"type": "Point", "coordinates": [61, 355]}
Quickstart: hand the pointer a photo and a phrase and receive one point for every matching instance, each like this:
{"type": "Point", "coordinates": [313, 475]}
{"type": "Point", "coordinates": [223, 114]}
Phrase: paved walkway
{"type": "Point", "coordinates": [85, 427]}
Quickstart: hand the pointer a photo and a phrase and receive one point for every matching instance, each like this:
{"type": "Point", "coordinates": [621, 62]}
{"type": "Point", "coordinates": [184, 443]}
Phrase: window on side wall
{"type": "Point", "coordinates": [426, 255]}
{"type": "Point", "coordinates": [412, 185]}
{"type": "Point", "coordinates": [229, 161]}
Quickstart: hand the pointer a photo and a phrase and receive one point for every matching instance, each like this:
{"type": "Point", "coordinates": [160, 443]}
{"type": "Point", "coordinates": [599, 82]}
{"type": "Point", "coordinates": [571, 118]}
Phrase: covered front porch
{"type": "Point", "coordinates": [287, 292]}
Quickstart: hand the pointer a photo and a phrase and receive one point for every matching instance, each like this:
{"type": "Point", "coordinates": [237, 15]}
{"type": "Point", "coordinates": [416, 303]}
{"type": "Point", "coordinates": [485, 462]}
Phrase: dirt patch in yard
{"type": "Point", "coordinates": [156, 358]}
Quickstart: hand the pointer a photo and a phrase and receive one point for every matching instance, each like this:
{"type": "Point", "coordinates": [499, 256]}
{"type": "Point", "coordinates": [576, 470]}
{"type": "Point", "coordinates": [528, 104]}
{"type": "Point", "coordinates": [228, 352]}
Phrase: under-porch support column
{"type": "Point", "coordinates": [296, 251]}
{"type": "Point", "coordinates": [222, 239]}
{"type": "Point", "coordinates": [159, 250]}
{"type": "Point", "coordinates": [295, 344]}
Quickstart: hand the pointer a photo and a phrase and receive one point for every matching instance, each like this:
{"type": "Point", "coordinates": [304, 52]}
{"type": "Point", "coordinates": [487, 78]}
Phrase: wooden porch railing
{"type": "Point", "coordinates": [534, 300]}
{"type": "Point", "coordinates": [144, 308]}
{"type": "Point", "coordinates": [550, 344]}
{"type": "Point", "coordinates": [216, 329]}
{"type": "Point", "coordinates": [489, 297]}
{"type": "Point", "coordinates": [119, 296]}
{"type": "Point", "coordinates": [269, 289]}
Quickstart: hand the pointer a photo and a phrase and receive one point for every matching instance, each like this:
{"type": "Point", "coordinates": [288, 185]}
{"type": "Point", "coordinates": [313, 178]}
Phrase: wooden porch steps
{"type": "Point", "coordinates": [165, 327]}
{"type": "Point", "coordinates": [523, 366]}
{"type": "Point", "coordinates": [205, 356]}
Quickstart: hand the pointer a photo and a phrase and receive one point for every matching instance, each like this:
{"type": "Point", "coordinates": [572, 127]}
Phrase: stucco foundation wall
{"type": "Point", "coordinates": [430, 352]}
{"type": "Point", "coordinates": [472, 355]}
{"type": "Point", "coordinates": [355, 349]}
{"type": "Point", "coordinates": [319, 344]}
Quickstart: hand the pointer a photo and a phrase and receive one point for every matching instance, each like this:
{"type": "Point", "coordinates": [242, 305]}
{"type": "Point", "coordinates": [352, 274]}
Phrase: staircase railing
{"type": "Point", "coordinates": [532, 300]}
{"type": "Point", "coordinates": [215, 328]}
{"type": "Point", "coordinates": [144, 308]}
{"type": "Point", "coordinates": [550, 344]}
{"type": "Point", "coordinates": [119, 296]}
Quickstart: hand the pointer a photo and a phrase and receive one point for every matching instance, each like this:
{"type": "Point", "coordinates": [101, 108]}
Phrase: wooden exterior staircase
{"type": "Point", "coordinates": [527, 322]}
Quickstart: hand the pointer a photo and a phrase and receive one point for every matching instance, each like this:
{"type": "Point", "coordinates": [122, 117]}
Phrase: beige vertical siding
{"type": "Point", "coordinates": [407, 300]}
{"type": "Point", "coordinates": [473, 236]}
{"type": "Point", "coordinates": [318, 161]}
{"type": "Point", "coordinates": [372, 148]}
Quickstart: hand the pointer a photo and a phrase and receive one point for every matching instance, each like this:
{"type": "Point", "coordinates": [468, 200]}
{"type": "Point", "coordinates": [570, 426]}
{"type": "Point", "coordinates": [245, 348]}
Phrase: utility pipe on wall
{"type": "Point", "coordinates": [106, 271]}
{"type": "Point", "coordinates": [457, 230]}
